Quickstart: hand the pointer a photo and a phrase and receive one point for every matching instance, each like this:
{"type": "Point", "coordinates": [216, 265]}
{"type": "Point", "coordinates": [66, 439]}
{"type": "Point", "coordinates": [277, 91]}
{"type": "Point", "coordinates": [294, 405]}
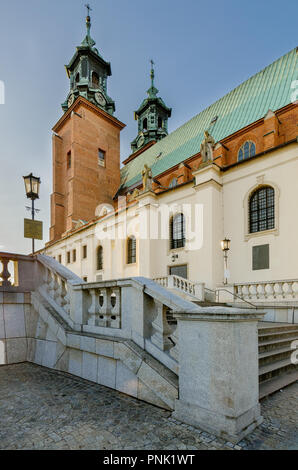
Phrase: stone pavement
{"type": "Point", "coordinates": [43, 409]}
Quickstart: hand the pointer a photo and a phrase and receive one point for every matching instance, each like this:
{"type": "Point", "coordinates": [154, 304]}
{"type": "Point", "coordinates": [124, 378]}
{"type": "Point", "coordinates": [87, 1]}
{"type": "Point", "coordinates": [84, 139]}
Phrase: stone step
{"type": "Point", "coordinates": [270, 386]}
{"type": "Point", "coordinates": [207, 303]}
{"type": "Point", "coordinates": [271, 328]}
{"type": "Point", "coordinates": [275, 344]}
{"type": "Point", "coordinates": [282, 367]}
{"type": "Point", "coordinates": [275, 352]}
{"type": "Point", "coordinates": [264, 337]}
{"type": "Point", "coordinates": [275, 355]}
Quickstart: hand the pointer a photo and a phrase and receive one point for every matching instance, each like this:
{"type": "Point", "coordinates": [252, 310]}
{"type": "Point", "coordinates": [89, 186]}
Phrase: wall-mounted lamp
{"type": "Point", "coordinates": [225, 246]}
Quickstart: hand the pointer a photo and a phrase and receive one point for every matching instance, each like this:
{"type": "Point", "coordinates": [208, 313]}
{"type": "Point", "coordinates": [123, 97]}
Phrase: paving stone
{"type": "Point", "coordinates": [44, 409]}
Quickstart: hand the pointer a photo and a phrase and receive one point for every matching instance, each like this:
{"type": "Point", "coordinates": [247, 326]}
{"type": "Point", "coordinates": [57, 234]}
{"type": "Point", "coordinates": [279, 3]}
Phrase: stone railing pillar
{"type": "Point", "coordinates": [218, 378]}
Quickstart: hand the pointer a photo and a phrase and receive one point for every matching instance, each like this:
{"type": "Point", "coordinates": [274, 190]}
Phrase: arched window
{"type": "Point", "coordinates": [99, 256]}
{"type": "Point", "coordinates": [95, 80]}
{"type": "Point", "coordinates": [261, 210]}
{"type": "Point", "coordinates": [145, 125]}
{"type": "Point", "coordinates": [131, 250]}
{"type": "Point", "coordinates": [247, 150]}
{"type": "Point", "coordinates": [173, 183]}
{"type": "Point", "coordinates": [177, 231]}
{"type": "Point", "coordinates": [77, 77]}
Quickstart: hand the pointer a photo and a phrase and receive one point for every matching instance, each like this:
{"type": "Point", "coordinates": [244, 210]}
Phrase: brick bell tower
{"type": "Point", "coordinates": [86, 142]}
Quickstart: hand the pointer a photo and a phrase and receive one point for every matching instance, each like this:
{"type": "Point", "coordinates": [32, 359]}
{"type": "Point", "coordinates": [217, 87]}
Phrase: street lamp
{"type": "Point", "coordinates": [225, 246]}
{"type": "Point", "coordinates": [32, 184]}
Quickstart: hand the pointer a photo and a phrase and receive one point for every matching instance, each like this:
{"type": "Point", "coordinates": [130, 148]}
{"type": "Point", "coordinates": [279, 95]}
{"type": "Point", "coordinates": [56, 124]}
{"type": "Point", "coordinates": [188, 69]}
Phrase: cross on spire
{"type": "Point", "coordinates": [88, 9]}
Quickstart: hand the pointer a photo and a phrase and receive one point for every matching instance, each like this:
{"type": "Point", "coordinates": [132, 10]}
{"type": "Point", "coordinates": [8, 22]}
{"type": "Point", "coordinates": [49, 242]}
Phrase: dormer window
{"type": "Point", "coordinates": [160, 123]}
{"type": "Point", "coordinates": [77, 78]}
{"type": "Point", "coordinates": [145, 124]}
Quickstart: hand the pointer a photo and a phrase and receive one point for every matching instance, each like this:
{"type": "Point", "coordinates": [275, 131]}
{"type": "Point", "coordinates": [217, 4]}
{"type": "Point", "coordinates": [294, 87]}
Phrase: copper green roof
{"type": "Point", "coordinates": [249, 102]}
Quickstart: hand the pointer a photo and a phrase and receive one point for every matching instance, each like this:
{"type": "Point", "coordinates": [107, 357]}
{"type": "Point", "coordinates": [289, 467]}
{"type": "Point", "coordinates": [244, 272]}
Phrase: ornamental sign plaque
{"type": "Point", "coordinates": [33, 229]}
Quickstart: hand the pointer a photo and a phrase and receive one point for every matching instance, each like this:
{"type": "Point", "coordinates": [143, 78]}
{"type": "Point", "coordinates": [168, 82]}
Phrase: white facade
{"type": "Point", "coordinates": [218, 202]}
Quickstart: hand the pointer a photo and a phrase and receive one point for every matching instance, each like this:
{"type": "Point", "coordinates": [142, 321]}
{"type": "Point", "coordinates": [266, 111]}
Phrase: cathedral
{"type": "Point", "coordinates": [211, 202]}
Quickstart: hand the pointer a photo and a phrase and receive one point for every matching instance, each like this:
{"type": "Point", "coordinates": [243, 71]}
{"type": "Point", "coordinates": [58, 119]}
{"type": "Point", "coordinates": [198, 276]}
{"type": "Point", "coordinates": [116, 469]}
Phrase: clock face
{"type": "Point", "coordinates": [141, 140]}
{"type": "Point", "coordinates": [70, 100]}
{"type": "Point", "coordinates": [100, 98]}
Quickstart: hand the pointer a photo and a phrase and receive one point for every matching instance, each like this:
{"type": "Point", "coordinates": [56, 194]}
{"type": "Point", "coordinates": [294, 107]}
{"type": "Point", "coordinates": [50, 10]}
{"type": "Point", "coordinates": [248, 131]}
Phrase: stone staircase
{"type": "Point", "coordinates": [275, 367]}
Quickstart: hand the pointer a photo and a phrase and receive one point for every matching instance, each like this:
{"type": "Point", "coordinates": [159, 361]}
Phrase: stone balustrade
{"type": "Point", "coordinates": [120, 334]}
{"type": "Point", "coordinates": [193, 289]}
{"type": "Point", "coordinates": [286, 290]}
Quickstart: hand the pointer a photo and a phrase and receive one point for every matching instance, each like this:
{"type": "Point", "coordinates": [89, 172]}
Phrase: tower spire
{"type": "Point", "coordinates": [152, 117]}
{"type": "Point", "coordinates": [88, 19]}
{"type": "Point", "coordinates": [152, 75]}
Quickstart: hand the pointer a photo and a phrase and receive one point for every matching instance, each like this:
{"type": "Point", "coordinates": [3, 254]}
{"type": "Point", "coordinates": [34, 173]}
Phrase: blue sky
{"type": "Point", "coordinates": [202, 50]}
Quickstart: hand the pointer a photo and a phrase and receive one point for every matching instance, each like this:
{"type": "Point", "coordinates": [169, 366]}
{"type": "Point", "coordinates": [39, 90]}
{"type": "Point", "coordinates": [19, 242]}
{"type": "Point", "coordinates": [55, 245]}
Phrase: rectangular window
{"type": "Point", "coordinates": [68, 256]}
{"type": "Point", "coordinates": [60, 259]}
{"type": "Point", "coordinates": [74, 256]}
{"type": "Point", "coordinates": [85, 251]}
{"type": "Point", "coordinates": [69, 160]}
{"type": "Point", "coordinates": [101, 157]}
{"type": "Point", "coordinates": [179, 271]}
{"type": "Point", "coordinates": [260, 257]}
{"type": "Point", "coordinates": [85, 279]}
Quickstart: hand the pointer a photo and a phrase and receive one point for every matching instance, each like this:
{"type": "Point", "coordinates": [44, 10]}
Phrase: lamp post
{"type": "Point", "coordinates": [32, 184]}
{"type": "Point", "coordinates": [225, 246]}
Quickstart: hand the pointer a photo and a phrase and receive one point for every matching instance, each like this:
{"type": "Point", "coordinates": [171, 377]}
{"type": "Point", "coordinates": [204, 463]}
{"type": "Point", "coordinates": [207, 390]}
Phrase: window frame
{"type": "Point", "coordinates": [99, 265]}
{"type": "Point", "coordinates": [101, 161]}
{"type": "Point", "coordinates": [242, 149]}
{"type": "Point", "coordinates": [177, 243]}
{"type": "Point", "coordinates": [261, 181]}
{"type": "Point", "coordinates": [264, 204]}
{"type": "Point", "coordinates": [131, 250]}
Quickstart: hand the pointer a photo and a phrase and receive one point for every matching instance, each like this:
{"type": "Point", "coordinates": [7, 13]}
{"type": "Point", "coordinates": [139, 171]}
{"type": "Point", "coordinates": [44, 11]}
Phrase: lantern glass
{"type": "Point", "coordinates": [32, 184]}
{"type": "Point", "coordinates": [225, 244]}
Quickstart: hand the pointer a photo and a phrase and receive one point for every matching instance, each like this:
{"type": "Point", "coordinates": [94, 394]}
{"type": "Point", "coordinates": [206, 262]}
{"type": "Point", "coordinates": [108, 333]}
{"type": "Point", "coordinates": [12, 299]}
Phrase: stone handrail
{"type": "Point", "coordinates": [55, 284]}
{"type": "Point", "coordinates": [193, 289]}
{"type": "Point", "coordinates": [268, 290]}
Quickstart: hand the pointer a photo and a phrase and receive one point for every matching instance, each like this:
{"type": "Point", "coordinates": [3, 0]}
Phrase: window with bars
{"type": "Point", "coordinates": [247, 150]}
{"type": "Point", "coordinates": [99, 258]}
{"type": "Point", "coordinates": [177, 231]}
{"type": "Point", "coordinates": [131, 250]}
{"type": "Point", "coordinates": [261, 210]}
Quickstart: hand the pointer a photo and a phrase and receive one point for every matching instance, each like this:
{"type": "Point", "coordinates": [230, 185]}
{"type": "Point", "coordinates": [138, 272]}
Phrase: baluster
{"type": "Point", "coordinates": [277, 288]}
{"type": "Point", "coordinates": [269, 290]}
{"type": "Point", "coordinates": [103, 308]}
{"type": "Point", "coordinates": [115, 299]}
{"type": "Point", "coordinates": [174, 337]}
{"type": "Point", "coordinates": [161, 328]}
{"type": "Point", "coordinates": [63, 293]}
{"type": "Point", "coordinates": [5, 274]}
{"type": "Point", "coordinates": [51, 284]}
{"type": "Point", "coordinates": [93, 309]}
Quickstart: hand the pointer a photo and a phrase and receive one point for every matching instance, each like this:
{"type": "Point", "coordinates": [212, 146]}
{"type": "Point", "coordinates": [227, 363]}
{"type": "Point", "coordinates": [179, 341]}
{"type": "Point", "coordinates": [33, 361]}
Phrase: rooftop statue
{"type": "Point", "coordinates": [207, 147]}
{"type": "Point", "coordinates": [147, 178]}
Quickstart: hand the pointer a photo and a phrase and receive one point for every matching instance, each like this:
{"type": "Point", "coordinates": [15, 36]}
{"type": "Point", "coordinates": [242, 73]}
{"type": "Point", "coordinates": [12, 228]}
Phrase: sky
{"type": "Point", "coordinates": [202, 50]}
